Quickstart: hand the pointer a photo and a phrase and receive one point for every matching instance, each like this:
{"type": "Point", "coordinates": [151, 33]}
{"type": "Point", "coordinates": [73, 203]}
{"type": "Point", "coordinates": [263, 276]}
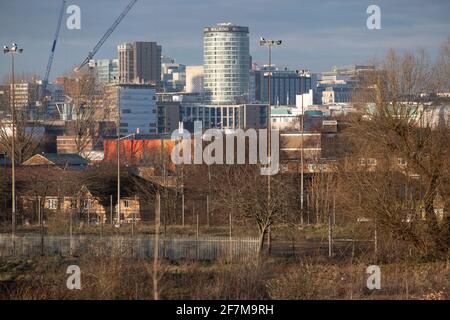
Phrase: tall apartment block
{"type": "Point", "coordinates": [140, 62]}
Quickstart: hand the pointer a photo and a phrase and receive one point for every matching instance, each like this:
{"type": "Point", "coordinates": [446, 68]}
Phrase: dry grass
{"type": "Point", "coordinates": [118, 278]}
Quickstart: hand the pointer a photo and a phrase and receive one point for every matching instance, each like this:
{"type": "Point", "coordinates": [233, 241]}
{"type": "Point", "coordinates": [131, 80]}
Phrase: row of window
{"type": "Point", "coordinates": [86, 204]}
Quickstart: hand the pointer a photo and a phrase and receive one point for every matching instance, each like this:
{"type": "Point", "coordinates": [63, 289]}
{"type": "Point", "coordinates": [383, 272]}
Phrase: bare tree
{"type": "Point", "coordinates": [86, 97]}
{"type": "Point", "coordinates": [398, 167]}
{"type": "Point", "coordinates": [28, 116]}
{"type": "Point", "coordinates": [242, 189]}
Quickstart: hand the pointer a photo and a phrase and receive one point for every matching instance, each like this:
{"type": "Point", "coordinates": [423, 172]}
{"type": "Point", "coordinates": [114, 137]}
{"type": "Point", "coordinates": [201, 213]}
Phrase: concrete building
{"type": "Point", "coordinates": [337, 94]}
{"type": "Point", "coordinates": [140, 62]}
{"type": "Point", "coordinates": [194, 79]}
{"type": "Point", "coordinates": [137, 104]}
{"type": "Point", "coordinates": [169, 116]}
{"type": "Point", "coordinates": [105, 70]}
{"type": "Point", "coordinates": [4, 100]}
{"type": "Point", "coordinates": [68, 144]}
{"type": "Point", "coordinates": [305, 99]}
{"type": "Point", "coordinates": [25, 95]}
{"type": "Point", "coordinates": [284, 85]}
{"type": "Point", "coordinates": [337, 85]}
{"type": "Point", "coordinates": [235, 116]}
{"type": "Point", "coordinates": [173, 75]}
{"type": "Point", "coordinates": [226, 64]}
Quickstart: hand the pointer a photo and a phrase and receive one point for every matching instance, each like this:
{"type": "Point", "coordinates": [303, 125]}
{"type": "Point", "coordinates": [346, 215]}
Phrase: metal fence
{"type": "Point", "coordinates": [141, 247]}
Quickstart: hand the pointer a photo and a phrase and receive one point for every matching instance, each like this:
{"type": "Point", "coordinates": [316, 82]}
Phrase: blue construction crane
{"type": "Point", "coordinates": [106, 35]}
{"type": "Point", "coordinates": [52, 52]}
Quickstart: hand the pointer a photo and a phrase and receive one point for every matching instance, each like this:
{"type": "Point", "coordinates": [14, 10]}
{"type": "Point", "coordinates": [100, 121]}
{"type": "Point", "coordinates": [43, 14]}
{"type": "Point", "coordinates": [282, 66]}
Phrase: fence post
{"type": "Point", "coordinates": [111, 208]}
{"type": "Point", "coordinates": [330, 236]}
{"type": "Point", "coordinates": [182, 209]}
{"type": "Point", "coordinates": [156, 245]}
{"type": "Point", "coordinates": [41, 226]}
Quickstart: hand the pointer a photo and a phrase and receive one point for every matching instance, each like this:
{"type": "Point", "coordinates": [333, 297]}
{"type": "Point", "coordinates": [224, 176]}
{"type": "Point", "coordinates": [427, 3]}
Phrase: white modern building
{"type": "Point", "coordinates": [226, 64]}
{"type": "Point", "coordinates": [304, 100]}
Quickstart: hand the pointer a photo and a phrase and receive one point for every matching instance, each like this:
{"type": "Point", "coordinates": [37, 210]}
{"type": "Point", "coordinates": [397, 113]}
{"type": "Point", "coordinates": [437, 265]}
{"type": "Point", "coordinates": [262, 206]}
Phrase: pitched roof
{"type": "Point", "coordinates": [59, 159]}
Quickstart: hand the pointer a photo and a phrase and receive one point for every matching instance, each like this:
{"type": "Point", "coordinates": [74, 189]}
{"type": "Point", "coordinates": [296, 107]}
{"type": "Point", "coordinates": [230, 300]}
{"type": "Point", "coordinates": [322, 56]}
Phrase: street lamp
{"type": "Point", "coordinates": [269, 43]}
{"type": "Point", "coordinates": [303, 73]}
{"type": "Point", "coordinates": [13, 50]}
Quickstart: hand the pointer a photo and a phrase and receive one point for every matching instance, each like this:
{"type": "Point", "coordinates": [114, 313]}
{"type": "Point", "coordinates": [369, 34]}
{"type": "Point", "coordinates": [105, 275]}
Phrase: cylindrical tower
{"type": "Point", "coordinates": [226, 63]}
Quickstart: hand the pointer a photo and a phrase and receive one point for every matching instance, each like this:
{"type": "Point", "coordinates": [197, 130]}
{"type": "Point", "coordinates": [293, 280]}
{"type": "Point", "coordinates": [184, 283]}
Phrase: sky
{"type": "Point", "coordinates": [316, 35]}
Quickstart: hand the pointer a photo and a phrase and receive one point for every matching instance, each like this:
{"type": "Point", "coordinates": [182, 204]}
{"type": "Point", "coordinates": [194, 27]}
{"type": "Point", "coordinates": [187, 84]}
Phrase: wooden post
{"type": "Point", "coordinates": [89, 210]}
{"type": "Point", "coordinates": [198, 230]}
{"type": "Point", "coordinates": [375, 240]}
{"type": "Point", "coordinates": [70, 231]}
{"type": "Point", "coordinates": [111, 208]}
{"type": "Point", "coordinates": [39, 211]}
{"type": "Point", "coordinates": [182, 209]}
{"type": "Point", "coordinates": [334, 208]}
{"type": "Point", "coordinates": [102, 218]}
{"type": "Point", "coordinates": [41, 220]}
{"type": "Point", "coordinates": [330, 236]}
{"type": "Point", "coordinates": [193, 211]}
{"type": "Point", "coordinates": [156, 245]}
{"type": "Point", "coordinates": [208, 196]}
{"type": "Point", "coordinates": [231, 226]}
{"type": "Point", "coordinates": [207, 210]}
{"type": "Point", "coordinates": [133, 217]}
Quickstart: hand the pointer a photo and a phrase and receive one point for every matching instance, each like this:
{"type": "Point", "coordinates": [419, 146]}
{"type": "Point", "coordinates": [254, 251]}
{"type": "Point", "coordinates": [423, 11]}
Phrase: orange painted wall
{"type": "Point", "coordinates": [135, 151]}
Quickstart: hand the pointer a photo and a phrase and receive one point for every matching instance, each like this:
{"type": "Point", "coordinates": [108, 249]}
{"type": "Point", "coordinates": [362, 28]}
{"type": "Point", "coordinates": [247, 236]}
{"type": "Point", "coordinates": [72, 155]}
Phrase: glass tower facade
{"type": "Point", "coordinates": [226, 64]}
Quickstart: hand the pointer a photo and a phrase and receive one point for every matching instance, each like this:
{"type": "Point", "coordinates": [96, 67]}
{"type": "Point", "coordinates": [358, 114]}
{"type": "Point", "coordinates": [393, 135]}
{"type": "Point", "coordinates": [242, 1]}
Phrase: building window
{"type": "Point", "coordinates": [402, 162]}
{"type": "Point", "coordinates": [126, 204]}
{"type": "Point", "coordinates": [52, 204]}
{"type": "Point", "coordinates": [72, 203]}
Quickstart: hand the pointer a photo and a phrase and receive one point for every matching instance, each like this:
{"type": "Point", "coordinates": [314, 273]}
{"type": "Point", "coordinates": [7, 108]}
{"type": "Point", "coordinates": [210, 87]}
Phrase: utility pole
{"type": "Point", "coordinates": [13, 50]}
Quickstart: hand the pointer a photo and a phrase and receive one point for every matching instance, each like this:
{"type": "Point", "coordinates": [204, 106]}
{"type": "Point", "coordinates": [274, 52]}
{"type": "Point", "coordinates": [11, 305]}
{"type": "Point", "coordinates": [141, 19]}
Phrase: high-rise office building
{"type": "Point", "coordinates": [140, 62]}
{"type": "Point", "coordinates": [226, 63]}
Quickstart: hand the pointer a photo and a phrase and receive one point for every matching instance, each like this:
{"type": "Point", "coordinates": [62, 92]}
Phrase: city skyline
{"type": "Point", "coordinates": [324, 36]}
